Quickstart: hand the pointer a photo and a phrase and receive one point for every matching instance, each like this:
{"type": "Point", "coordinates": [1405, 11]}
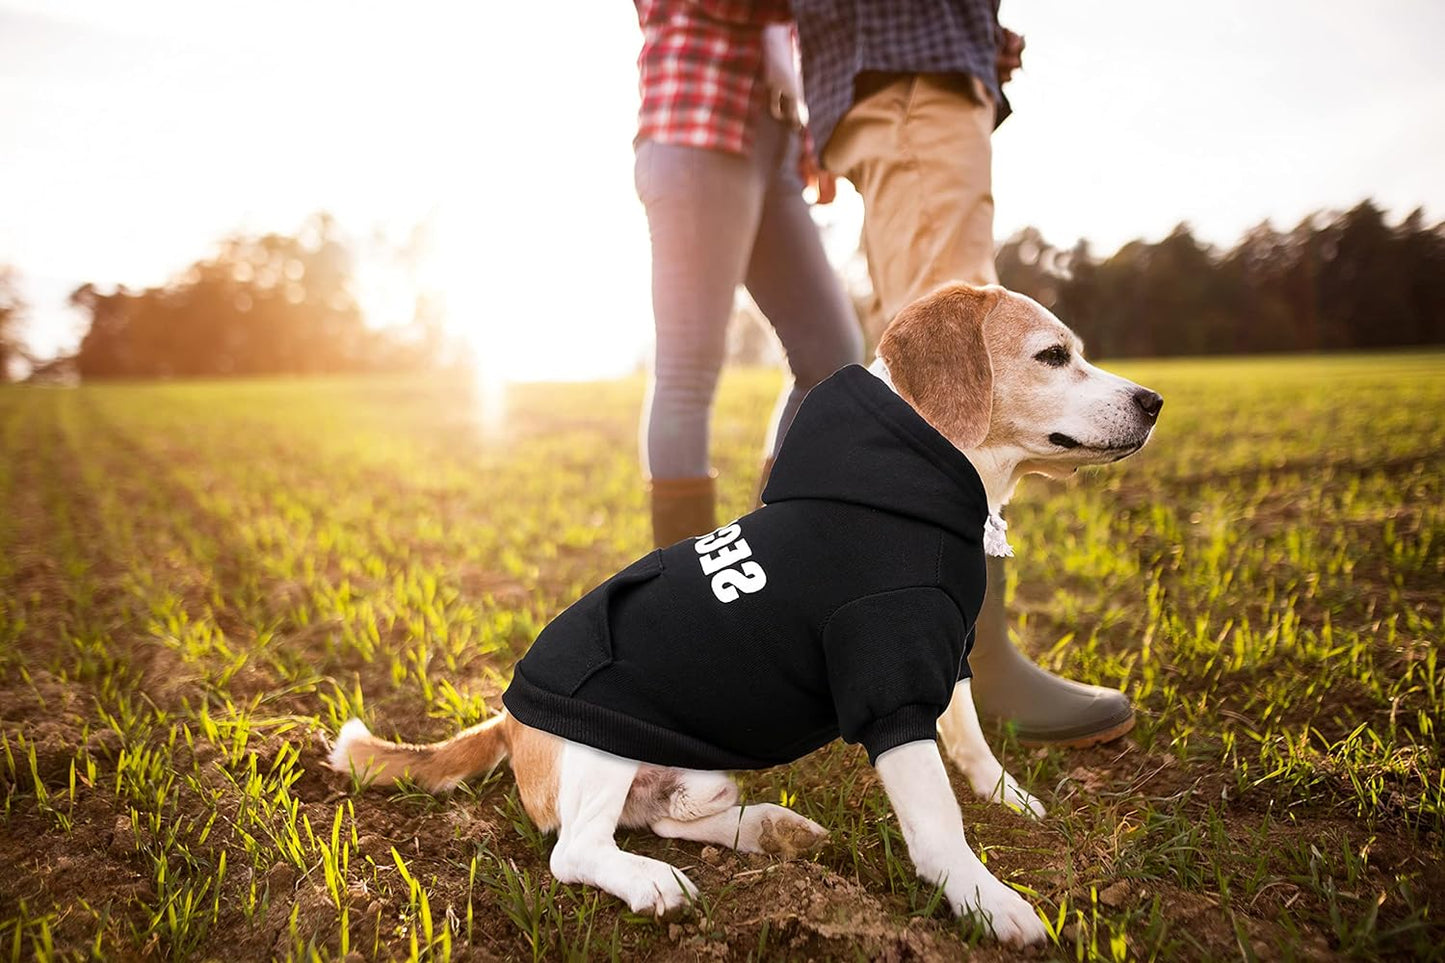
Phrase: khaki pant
{"type": "Point", "coordinates": [918, 151]}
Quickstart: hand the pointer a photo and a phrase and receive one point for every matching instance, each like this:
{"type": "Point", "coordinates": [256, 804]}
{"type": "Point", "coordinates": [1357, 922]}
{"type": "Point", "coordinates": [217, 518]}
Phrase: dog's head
{"type": "Point", "coordinates": [991, 369]}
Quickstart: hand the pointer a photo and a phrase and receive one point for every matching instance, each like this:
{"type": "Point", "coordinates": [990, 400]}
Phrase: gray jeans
{"type": "Point", "coordinates": [717, 220]}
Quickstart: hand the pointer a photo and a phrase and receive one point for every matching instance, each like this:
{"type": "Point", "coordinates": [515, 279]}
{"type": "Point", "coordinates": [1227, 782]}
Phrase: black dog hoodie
{"type": "Point", "coordinates": [844, 606]}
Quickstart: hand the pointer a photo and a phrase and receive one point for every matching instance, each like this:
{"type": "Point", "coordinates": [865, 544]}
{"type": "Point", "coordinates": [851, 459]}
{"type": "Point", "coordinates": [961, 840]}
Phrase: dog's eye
{"type": "Point", "coordinates": [1055, 357]}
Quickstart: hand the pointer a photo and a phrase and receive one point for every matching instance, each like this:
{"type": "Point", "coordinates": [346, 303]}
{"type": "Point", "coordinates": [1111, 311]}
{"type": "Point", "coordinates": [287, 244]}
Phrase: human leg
{"type": "Point", "coordinates": [918, 151]}
{"type": "Point", "coordinates": [798, 292]}
{"type": "Point", "coordinates": [702, 211]}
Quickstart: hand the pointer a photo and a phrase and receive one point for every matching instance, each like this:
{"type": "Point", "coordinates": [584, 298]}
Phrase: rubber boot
{"type": "Point", "coordinates": [682, 508]}
{"type": "Point", "coordinates": [1045, 709]}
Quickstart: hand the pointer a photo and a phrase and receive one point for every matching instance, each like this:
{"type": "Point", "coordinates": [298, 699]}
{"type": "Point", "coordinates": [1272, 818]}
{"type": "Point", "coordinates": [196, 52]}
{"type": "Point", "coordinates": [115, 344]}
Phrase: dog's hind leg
{"type": "Point", "coordinates": [700, 806]}
{"type": "Point", "coordinates": [761, 828]}
{"type": "Point", "coordinates": [659, 791]}
{"type": "Point", "coordinates": [964, 742]}
{"type": "Point", "coordinates": [592, 791]}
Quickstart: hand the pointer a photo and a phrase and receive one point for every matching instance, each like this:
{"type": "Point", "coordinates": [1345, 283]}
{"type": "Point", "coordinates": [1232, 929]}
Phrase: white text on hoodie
{"type": "Point", "coordinates": [726, 557]}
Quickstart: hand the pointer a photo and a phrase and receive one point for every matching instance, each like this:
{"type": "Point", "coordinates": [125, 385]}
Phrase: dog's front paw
{"type": "Point", "coordinates": [992, 782]}
{"type": "Point", "coordinates": [1008, 792]}
{"type": "Point", "coordinates": [1007, 914]}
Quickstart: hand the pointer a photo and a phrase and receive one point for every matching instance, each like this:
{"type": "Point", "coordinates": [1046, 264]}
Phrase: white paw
{"type": "Point", "coordinates": [658, 889]}
{"type": "Point", "coordinates": [1006, 913]}
{"type": "Point", "coordinates": [645, 885]}
{"type": "Point", "coordinates": [990, 781]}
{"type": "Point", "coordinates": [1011, 794]}
{"type": "Point", "coordinates": [784, 833]}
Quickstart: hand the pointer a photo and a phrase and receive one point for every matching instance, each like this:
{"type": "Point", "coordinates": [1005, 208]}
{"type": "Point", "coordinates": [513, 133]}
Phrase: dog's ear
{"type": "Point", "coordinates": [938, 360]}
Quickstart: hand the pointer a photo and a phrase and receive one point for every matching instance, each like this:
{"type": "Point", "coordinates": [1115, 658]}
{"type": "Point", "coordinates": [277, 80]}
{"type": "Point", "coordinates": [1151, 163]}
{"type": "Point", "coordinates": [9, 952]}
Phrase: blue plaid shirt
{"type": "Point", "coordinates": [842, 38]}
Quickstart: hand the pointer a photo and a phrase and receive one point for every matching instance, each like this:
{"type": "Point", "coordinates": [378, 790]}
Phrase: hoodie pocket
{"type": "Point", "coordinates": [578, 643]}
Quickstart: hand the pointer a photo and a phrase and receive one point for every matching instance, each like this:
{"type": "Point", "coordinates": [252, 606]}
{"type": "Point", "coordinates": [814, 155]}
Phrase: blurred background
{"type": "Point", "coordinates": [189, 189]}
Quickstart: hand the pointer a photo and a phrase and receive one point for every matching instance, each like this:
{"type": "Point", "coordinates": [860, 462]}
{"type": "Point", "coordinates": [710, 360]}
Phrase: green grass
{"type": "Point", "coordinates": [199, 580]}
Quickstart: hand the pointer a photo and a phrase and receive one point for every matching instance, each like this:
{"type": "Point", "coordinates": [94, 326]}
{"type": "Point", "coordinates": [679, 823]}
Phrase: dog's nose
{"type": "Point", "coordinates": [1149, 402]}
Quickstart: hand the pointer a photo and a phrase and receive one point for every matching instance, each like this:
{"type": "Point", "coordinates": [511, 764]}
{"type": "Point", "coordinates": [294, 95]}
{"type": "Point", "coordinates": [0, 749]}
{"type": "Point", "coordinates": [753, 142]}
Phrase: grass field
{"type": "Point", "coordinates": [198, 582]}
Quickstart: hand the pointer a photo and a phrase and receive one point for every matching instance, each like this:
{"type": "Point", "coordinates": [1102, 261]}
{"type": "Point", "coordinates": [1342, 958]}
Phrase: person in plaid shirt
{"type": "Point", "coordinates": [904, 98]}
{"type": "Point", "coordinates": [718, 155]}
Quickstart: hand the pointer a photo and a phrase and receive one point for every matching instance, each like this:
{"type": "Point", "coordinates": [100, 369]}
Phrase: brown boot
{"type": "Point", "coordinates": [763, 481]}
{"type": "Point", "coordinates": [682, 508]}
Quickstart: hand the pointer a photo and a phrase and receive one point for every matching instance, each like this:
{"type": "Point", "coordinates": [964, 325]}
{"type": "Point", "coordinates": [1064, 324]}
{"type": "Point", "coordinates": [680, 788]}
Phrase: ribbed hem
{"type": "Point", "coordinates": [618, 733]}
{"type": "Point", "coordinates": [913, 723]}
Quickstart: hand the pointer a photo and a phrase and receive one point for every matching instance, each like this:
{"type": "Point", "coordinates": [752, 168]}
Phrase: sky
{"type": "Point", "coordinates": [134, 136]}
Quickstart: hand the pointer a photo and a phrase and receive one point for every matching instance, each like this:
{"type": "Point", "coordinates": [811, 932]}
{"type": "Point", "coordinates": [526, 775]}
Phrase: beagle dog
{"type": "Point", "coordinates": [1006, 384]}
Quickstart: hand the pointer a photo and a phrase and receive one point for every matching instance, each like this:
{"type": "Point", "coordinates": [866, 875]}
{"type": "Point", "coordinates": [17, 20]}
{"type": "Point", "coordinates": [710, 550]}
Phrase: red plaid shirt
{"type": "Point", "coordinates": [701, 70]}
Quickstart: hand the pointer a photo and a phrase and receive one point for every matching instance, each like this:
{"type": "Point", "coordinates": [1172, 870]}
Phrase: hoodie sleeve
{"type": "Point", "coordinates": [893, 659]}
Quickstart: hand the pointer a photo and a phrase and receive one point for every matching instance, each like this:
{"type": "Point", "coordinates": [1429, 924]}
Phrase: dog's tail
{"type": "Point", "coordinates": [438, 767]}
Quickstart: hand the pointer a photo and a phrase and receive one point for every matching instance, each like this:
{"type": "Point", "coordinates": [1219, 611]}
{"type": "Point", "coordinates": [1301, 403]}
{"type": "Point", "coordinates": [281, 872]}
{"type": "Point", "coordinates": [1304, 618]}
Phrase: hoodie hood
{"type": "Point", "coordinates": [854, 440]}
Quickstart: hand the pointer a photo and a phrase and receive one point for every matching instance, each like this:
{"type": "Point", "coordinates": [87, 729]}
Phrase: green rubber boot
{"type": "Point", "coordinates": [1045, 708]}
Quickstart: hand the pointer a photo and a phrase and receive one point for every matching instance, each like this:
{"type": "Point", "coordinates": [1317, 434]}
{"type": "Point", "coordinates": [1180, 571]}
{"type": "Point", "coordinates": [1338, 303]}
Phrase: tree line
{"type": "Point", "coordinates": [12, 312]}
{"type": "Point", "coordinates": [284, 304]}
{"type": "Point", "coordinates": [1335, 282]}
{"type": "Point", "coordinates": [263, 304]}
